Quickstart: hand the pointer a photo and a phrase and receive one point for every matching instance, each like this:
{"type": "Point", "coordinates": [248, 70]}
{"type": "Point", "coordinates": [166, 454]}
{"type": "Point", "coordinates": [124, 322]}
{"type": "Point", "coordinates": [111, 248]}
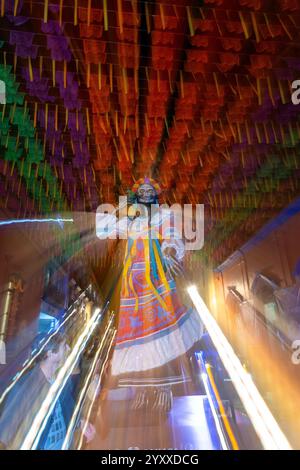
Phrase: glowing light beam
{"type": "Point", "coordinates": [265, 425]}
{"type": "Point", "coordinates": [213, 410]}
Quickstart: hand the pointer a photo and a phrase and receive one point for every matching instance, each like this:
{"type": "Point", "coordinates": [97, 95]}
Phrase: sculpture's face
{"type": "Point", "coordinates": [146, 194]}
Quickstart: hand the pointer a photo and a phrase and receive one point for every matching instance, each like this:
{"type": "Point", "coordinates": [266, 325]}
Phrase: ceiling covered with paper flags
{"type": "Point", "coordinates": [195, 94]}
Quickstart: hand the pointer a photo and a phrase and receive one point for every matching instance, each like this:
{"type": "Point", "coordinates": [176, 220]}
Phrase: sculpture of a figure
{"type": "Point", "coordinates": [155, 329]}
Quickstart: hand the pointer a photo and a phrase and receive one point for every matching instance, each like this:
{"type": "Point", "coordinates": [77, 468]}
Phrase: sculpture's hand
{"type": "Point", "coordinates": [174, 267]}
{"type": "Point", "coordinates": [169, 251]}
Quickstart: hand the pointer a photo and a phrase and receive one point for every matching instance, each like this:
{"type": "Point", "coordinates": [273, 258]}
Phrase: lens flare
{"type": "Point", "coordinates": [267, 429]}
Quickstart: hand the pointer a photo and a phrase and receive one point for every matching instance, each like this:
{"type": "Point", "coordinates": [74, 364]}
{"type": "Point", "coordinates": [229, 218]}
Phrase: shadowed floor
{"type": "Point", "coordinates": [189, 425]}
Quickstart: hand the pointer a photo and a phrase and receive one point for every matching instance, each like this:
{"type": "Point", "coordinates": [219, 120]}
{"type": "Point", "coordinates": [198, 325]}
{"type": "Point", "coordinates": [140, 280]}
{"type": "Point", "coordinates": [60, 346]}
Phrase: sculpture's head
{"type": "Point", "coordinates": [146, 191]}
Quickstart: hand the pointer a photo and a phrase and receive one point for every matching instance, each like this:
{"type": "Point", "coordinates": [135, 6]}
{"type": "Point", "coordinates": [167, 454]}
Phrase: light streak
{"type": "Point", "coordinates": [25, 221]}
{"type": "Point", "coordinates": [29, 363]}
{"type": "Point", "coordinates": [92, 401]}
{"type": "Point", "coordinates": [221, 408]}
{"type": "Point", "coordinates": [264, 423]}
{"type": "Point", "coordinates": [32, 360]}
{"type": "Point", "coordinates": [32, 438]}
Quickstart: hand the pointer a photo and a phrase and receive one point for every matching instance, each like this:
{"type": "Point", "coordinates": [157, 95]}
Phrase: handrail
{"type": "Point", "coordinates": [30, 360]}
{"type": "Point", "coordinates": [108, 338]}
{"type": "Point", "coordinates": [272, 328]}
{"type": "Point", "coordinates": [260, 317]}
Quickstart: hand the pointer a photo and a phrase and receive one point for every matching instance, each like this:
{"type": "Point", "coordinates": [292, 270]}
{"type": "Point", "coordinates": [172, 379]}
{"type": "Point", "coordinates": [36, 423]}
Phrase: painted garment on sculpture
{"type": "Point", "coordinates": [154, 326]}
